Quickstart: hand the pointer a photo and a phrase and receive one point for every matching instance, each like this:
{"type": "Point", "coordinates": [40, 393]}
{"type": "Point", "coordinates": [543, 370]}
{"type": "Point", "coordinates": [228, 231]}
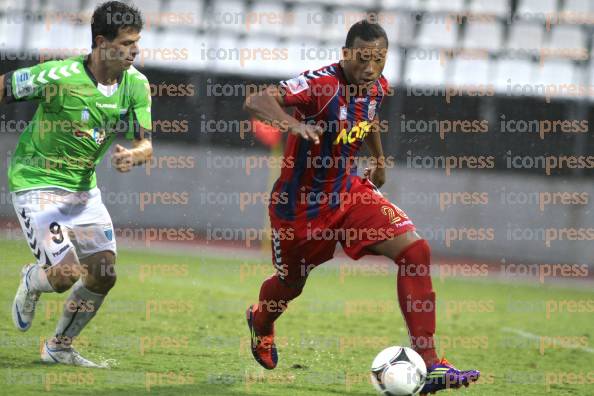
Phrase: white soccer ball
{"type": "Point", "coordinates": [398, 371]}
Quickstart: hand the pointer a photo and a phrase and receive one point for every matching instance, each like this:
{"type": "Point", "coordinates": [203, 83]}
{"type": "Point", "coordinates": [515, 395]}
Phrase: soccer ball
{"type": "Point", "coordinates": [398, 371]}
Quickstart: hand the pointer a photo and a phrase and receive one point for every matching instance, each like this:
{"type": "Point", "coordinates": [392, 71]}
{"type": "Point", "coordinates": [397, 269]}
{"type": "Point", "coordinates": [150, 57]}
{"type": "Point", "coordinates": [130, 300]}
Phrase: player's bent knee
{"type": "Point", "coordinates": [101, 276]}
{"type": "Point", "coordinates": [64, 274]}
{"type": "Point", "coordinates": [295, 285]}
{"type": "Point", "coordinates": [62, 283]}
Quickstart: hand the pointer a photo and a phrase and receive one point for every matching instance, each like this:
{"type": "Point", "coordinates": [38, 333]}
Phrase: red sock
{"type": "Point", "coordinates": [417, 298]}
{"type": "Point", "coordinates": [274, 297]}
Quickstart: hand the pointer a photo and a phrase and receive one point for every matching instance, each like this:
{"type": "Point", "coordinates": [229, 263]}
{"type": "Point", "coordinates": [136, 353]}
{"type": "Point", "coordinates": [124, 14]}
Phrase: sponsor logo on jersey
{"type": "Point", "coordinates": [97, 134]}
{"type": "Point", "coordinates": [106, 105]}
{"type": "Point", "coordinates": [371, 109]}
{"type": "Point", "coordinates": [343, 113]}
{"type": "Point", "coordinates": [297, 84]}
{"type": "Point", "coordinates": [62, 250]}
{"type": "Point", "coordinates": [358, 132]}
{"type": "Point", "coordinates": [85, 115]}
{"type": "Point", "coordinates": [108, 231]}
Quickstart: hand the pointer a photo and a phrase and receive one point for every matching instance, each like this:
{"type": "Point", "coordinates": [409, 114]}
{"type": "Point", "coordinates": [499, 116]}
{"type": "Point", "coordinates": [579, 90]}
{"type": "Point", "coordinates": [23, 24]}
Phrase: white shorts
{"type": "Point", "coordinates": [55, 221]}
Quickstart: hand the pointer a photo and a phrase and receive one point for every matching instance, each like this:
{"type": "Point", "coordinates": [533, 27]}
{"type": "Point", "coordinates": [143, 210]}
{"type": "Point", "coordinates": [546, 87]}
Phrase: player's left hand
{"type": "Point", "coordinates": [122, 159]}
{"type": "Point", "coordinates": [376, 175]}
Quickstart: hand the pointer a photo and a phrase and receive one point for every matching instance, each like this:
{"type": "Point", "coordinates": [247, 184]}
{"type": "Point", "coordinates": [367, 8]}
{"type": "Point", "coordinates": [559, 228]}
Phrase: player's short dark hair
{"type": "Point", "coordinates": [111, 16]}
{"type": "Point", "coordinates": [366, 31]}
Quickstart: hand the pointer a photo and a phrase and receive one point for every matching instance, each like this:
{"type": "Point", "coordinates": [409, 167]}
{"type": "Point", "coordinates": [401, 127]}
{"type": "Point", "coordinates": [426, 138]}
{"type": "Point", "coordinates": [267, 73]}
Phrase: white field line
{"type": "Point", "coordinates": [532, 336]}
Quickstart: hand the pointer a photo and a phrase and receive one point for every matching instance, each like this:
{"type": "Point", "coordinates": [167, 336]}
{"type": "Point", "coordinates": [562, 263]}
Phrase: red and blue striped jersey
{"type": "Point", "coordinates": [314, 178]}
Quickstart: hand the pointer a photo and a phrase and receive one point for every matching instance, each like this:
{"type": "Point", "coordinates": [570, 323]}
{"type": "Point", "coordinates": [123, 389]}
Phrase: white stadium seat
{"type": "Point", "coordinates": [498, 8]}
{"type": "Point", "coordinates": [307, 55]}
{"type": "Point", "coordinates": [43, 37]}
{"type": "Point", "coordinates": [536, 8]}
{"type": "Point", "coordinates": [399, 27]}
{"type": "Point", "coordinates": [308, 21]}
{"type": "Point", "coordinates": [400, 4]}
{"type": "Point", "coordinates": [266, 17]}
{"type": "Point", "coordinates": [271, 65]}
{"type": "Point", "coordinates": [578, 6]}
{"type": "Point", "coordinates": [526, 36]}
{"type": "Point", "coordinates": [393, 68]}
{"type": "Point", "coordinates": [517, 70]}
{"type": "Point", "coordinates": [12, 38]}
{"type": "Point", "coordinates": [450, 6]}
{"type": "Point", "coordinates": [568, 38]}
{"type": "Point", "coordinates": [189, 13]}
{"type": "Point", "coordinates": [484, 35]}
{"type": "Point", "coordinates": [223, 43]}
{"type": "Point", "coordinates": [340, 21]}
{"type": "Point", "coordinates": [471, 72]}
{"type": "Point", "coordinates": [558, 73]}
{"type": "Point", "coordinates": [227, 16]}
{"type": "Point", "coordinates": [438, 35]}
{"type": "Point", "coordinates": [424, 69]}
{"type": "Point", "coordinates": [12, 5]}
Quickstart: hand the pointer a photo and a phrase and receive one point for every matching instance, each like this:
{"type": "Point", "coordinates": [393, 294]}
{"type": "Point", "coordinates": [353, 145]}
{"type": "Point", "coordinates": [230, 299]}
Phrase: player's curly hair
{"type": "Point", "coordinates": [111, 16]}
{"type": "Point", "coordinates": [366, 31]}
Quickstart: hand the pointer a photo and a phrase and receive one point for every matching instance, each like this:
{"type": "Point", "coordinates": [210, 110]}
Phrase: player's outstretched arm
{"type": "Point", "coordinates": [267, 106]}
{"type": "Point", "coordinates": [377, 174]}
{"type": "Point", "coordinates": [124, 159]}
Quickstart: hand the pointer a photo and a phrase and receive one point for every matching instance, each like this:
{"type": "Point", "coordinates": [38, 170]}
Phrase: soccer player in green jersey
{"type": "Point", "coordinates": [83, 103]}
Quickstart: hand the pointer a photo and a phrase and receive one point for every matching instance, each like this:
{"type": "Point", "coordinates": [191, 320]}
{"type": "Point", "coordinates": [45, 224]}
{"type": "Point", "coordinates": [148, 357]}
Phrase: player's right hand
{"type": "Point", "coordinates": [308, 132]}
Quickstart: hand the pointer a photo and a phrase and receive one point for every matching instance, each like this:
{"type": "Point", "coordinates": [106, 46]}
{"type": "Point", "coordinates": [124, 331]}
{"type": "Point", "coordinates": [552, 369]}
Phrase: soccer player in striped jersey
{"type": "Point", "coordinates": [83, 103]}
{"type": "Point", "coordinates": [323, 202]}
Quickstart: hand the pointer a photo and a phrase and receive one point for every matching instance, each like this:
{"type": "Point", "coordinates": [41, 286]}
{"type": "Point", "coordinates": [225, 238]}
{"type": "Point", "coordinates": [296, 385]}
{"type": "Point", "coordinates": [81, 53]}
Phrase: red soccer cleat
{"type": "Point", "coordinates": [263, 347]}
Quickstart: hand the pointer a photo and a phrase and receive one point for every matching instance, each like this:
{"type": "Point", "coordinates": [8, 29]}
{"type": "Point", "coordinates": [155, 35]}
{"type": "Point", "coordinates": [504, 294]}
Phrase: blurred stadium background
{"type": "Point", "coordinates": [450, 63]}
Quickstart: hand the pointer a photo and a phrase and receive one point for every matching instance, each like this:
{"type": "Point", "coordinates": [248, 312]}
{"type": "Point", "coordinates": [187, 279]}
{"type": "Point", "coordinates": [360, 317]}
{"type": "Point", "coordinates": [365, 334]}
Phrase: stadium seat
{"type": "Point", "coordinates": [399, 26]}
{"type": "Point", "coordinates": [308, 21]}
{"type": "Point", "coordinates": [558, 73]}
{"type": "Point", "coordinates": [400, 4]}
{"type": "Point", "coordinates": [438, 35]}
{"type": "Point", "coordinates": [424, 69]}
{"type": "Point", "coordinates": [54, 6]}
{"type": "Point", "coordinates": [15, 43]}
{"type": "Point", "coordinates": [340, 20]}
{"type": "Point", "coordinates": [526, 36]}
{"type": "Point", "coordinates": [42, 38]}
{"type": "Point", "coordinates": [224, 42]}
{"type": "Point", "coordinates": [471, 72]}
{"type": "Point", "coordinates": [536, 8]}
{"type": "Point", "coordinates": [487, 35]}
{"type": "Point", "coordinates": [273, 65]}
{"type": "Point", "coordinates": [362, 3]}
{"type": "Point", "coordinates": [517, 70]}
{"type": "Point", "coordinates": [568, 42]}
{"type": "Point", "coordinates": [149, 8]}
{"type": "Point", "coordinates": [307, 55]}
{"type": "Point", "coordinates": [393, 68]}
{"type": "Point", "coordinates": [499, 8]}
{"type": "Point", "coordinates": [227, 16]}
{"type": "Point", "coordinates": [190, 13]}
{"type": "Point", "coordinates": [12, 5]}
{"type": "Point", "coordinates": [438, 6]}
{"type": "Point", "coordinates": [266, 17]}
{"type": "Point", "coordinates": [578, 7]}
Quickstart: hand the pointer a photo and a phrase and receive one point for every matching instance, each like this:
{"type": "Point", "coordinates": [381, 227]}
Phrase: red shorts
{"type": "Point", "coordinates": [364, 218]}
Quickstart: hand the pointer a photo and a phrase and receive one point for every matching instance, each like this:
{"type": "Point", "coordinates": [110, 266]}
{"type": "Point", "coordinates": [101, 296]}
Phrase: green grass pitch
{"type": "Point", "coordinates": [175, 325]}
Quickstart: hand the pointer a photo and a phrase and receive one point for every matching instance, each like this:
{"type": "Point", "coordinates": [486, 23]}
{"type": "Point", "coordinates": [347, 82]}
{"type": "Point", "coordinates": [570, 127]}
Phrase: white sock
{"type": "Point", "coordinates": [80, 307]}
{"type": "Point", "coordinates": [37, 280]}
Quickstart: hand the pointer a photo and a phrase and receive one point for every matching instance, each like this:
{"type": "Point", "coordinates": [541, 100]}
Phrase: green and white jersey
{"type": "Point", "coordinates": [75, 123]}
